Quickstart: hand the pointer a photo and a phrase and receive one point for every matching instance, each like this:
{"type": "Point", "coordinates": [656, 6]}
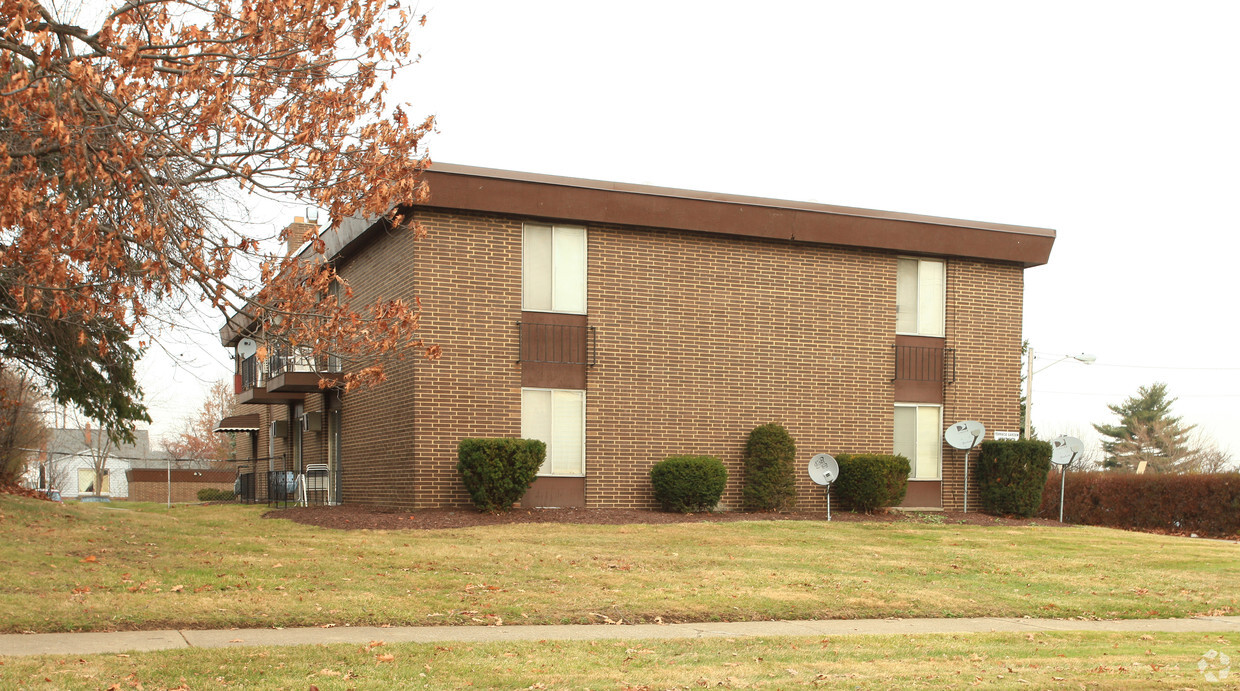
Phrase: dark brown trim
{"type": "Point", "coordinates": [923, 494]}
{"type": "Point", "coordinates": [560, 492]}
{"type": "Point", "coordinates": [918, 390]}
{"type": "Point", "coordinates": [238, 423]}
{"type": "Point", "coordinates": [593, 201]}
{"type": "Point", "coordinates": [551, 375]}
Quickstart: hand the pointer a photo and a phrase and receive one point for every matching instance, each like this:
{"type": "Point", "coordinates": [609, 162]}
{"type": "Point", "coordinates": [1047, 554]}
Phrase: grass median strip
{"type": "Point", "coordinates": [83, 567]}
{"type": "Point", "coordinates": [1018, 660]}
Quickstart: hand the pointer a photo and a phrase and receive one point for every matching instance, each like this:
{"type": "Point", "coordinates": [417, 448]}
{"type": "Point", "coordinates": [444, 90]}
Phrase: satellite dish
{"type": "Point", "coordinates": [246, 347]}
{"type": "Point", "coordinates": [1065, 449]}
{"type": "Point", "coordinates": [965, 435]}
{"type": "Point", "coordinates": [823, 469]}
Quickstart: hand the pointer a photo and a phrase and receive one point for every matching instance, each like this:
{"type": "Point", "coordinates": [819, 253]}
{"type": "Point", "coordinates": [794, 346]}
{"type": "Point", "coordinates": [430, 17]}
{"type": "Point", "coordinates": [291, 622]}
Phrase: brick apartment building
{"type": "Point", "coordinates": [623, 323]}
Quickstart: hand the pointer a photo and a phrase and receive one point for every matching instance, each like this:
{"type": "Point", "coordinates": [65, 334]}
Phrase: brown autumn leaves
{"type": "Point", "coordinates": [116, 142]}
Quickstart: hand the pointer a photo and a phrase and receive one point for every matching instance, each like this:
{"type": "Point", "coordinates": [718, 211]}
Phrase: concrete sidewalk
{"type": "Point", "coordinates": [130, 641]}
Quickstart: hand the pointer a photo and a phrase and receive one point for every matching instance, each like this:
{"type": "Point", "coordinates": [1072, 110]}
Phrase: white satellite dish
{"type": "Point", "coordinates": [965, 435]}
{"type": "Point", "coordinates": [823, 470]}
{"type": "Point", "coordinates": [246, 347]}
{"type": "Point", "coordinates": [1065, 449]}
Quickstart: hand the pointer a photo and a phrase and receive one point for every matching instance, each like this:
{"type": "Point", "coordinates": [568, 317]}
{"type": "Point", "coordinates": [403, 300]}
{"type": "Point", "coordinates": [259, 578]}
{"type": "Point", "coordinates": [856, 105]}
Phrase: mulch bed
{"type": "Point", "coordinates": [347, 517]}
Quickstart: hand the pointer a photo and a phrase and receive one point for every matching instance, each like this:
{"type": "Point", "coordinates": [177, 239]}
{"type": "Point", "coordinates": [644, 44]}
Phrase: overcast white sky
{"type": "Point", "coordinates": [1115, 123]}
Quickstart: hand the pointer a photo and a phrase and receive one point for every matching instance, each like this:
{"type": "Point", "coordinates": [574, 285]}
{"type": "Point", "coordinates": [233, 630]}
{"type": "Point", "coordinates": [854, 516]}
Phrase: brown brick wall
{"type": "Point", "coordinates": [700, 339]}
{"type": "Point", "coordinates": [984, 302]}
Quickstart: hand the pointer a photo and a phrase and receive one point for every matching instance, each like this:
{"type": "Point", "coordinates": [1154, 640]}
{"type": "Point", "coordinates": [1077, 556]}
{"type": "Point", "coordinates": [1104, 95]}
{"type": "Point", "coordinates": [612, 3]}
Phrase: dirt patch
{"type": "Point", "coordinates": [348, 517]}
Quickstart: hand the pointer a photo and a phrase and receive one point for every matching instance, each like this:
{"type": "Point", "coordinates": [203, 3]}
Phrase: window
{"type": "Point", "coordinates": [557, 417]}
{"type": "Point", "coordinates": [86, 482]}
{"type": "Point", "coordinates": [920, 296]}
{"type": "Point", "coordinates": [917, 434]}
{"type": "Point", "coordinates": [553, 269]}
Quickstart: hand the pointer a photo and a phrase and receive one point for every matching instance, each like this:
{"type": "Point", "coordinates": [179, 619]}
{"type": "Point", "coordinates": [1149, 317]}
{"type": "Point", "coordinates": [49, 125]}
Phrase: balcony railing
{"type": "Point", "coordinates": [557, 343]}
{"type": "Point", "coordinates": [284, 359]}
{"type": "Point", "coordinates": [253, 373]}
{"type": "Point", "coordinates": [924, 363]}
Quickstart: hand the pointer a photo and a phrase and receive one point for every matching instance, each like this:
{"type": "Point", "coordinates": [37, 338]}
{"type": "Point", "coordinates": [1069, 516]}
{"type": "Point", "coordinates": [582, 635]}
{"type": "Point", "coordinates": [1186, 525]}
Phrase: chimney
{"type": "Point", "coordinates": [297, 233]}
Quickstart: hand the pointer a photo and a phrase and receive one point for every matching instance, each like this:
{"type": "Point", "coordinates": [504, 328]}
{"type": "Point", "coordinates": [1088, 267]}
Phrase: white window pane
{"type": "Point", "coordinates": [930, 297]}
{"type": "Point", "coordinates": [536, 268]}
{"type": "Point", "coordinates": [928, 445]}
{"type": "Point", "coordinates": [569, 269]}
{"type": "Point", "coordinates": [567, 432]}
{"type": "Point", "coordinates": [536, 421]}
{"type": "Point", "coordinates": [906, 296]}
{"type": "Point", "coordinates": [905, 436]}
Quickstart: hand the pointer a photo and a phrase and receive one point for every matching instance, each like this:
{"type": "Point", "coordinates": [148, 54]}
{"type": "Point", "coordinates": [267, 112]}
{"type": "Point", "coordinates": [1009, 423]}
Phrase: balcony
{"type": "Point", "coordinates": [299, 370]}
{"type": "Point", "coordinates": [287, 374]}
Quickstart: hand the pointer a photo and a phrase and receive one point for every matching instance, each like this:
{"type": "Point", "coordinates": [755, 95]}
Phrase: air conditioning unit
{"type": "Point", "coordinates": [312, 422]}
{"type": "Point", "coordinates": [279, 429]}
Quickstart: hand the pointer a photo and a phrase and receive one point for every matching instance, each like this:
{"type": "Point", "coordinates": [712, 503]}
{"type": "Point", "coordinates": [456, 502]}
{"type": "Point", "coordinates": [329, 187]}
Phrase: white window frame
{"type": "Point", "coordinates": [585, 263]}
{"type": "Point", "coordinates": [912, 476]}
{"type": "Point", "coordinates": [547, 461]}
{"type": "Point", "coordinates": [920, 331]}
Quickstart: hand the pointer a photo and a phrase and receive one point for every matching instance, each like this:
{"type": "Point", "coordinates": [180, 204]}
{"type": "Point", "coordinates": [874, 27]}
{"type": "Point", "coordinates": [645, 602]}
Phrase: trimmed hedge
{"type": "Point", "coordinates": [497, 472]}
{"type": "Point", "coordinates": [213, 494]}
{"type": "Point", "coordinates": [870, 481]}
{"type": "Point", "coordinates": [1206, 504]}
{"type": "Point", "coordinates": [1011, 474]}
{"type": "Point", "coordinates": [689, 483]}
{"type": "Point", "coordinates": [770, 469]}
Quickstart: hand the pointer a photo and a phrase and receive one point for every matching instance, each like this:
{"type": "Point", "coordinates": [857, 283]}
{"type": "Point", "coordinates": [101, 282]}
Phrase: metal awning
{"type": "Point", "coordinates": [238, 423]}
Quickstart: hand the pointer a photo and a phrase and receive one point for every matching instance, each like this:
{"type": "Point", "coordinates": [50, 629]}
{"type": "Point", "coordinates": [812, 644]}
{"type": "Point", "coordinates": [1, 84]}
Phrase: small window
{"type": "Point", "coordinates": [553, 268]}
{"type": "Point", "coordinates": [920, 296]}
{"type": "Point", "coordinates": [86, 482]}
{"type": "Point", "coordinates": [916, 437]}
{"type": "Point", "coordinates": [557, 417]}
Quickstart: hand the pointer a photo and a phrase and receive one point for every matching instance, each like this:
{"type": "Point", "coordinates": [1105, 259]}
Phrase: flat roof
{"type": "Point", "coordinates": [595, 201]}
{"type": "Point", "coordinates": [584, 201]}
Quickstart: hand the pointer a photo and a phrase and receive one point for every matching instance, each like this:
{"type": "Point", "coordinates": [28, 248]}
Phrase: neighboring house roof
{"type": "Point", "coordinates": [238, 423]}
{"type": "Point", "coordinates": [579, 200]}
{"type": "Point", "coordinates": [68, 441]}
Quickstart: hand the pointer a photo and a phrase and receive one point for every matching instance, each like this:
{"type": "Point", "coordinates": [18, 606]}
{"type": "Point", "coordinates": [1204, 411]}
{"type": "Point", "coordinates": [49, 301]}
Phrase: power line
{"type": "Point", "coordinates": [1100, 393]}
{"type": "Point", "coordinates": [1193, 369]}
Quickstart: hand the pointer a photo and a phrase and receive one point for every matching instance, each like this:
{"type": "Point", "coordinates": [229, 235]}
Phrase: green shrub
{"type": "Point", "coordinates": [770, 472]}
{"type": "Point", "coordinates": [870, 481]}
{"type": "Point", "coordinates": [1204, 503]}
{"type": "Point", "coordinates": [1011, 474]}
{"type": "Point", "coordinates": [213, 494]}
{"type": "Point", "coordinates": [688, 483]}
{"type": "Point", "coordinates": [497, 472]}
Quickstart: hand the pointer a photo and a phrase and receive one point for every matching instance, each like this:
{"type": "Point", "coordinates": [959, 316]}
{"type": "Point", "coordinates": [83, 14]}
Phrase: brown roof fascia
{"type": "Point", "coordinates": [592, 201]}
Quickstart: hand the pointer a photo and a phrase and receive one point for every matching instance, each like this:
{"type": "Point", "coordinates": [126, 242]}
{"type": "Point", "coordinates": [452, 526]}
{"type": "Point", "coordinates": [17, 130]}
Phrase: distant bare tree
{"type": "Point", "coordinates": [197, 439]}
{"type": "Point", "coordinates": [22, 427]}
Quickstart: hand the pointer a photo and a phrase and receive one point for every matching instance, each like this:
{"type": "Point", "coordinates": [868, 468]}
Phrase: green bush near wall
{"type": "Point", "coordinates": [689, 483]}
{"type": "Point", "coordinates": [1011, 475]}
{"type": "Point", "coordinates": [213, 494]}
{"type": "Point", "coordinates": [870, 481]}
{"type": "Point", "coordinates": [497, 472]}
{"type": "Point", "coordinates": [770, 472]}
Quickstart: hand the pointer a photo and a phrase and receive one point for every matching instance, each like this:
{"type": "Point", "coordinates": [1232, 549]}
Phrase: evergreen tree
{"type": "Point", "coordinates": [1146, 431]}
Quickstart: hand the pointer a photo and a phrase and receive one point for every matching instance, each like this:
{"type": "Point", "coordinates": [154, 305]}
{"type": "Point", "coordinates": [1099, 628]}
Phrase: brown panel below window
{"type": "Point", "coordinates": [568, 343]}
{"type": "Point", "coordinates": [923, 494]}
{"type": "Point", "coordinates": [919, 369]}
{"type": "Point", "coordinates": [559, 492]}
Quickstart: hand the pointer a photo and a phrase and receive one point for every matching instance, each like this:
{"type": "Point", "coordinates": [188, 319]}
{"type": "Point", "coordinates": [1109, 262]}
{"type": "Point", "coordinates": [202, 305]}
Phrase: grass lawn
{"type": "Point", "coordinates": [130, 566]}
{"type": "Point", "coordinates": [1019, 660]}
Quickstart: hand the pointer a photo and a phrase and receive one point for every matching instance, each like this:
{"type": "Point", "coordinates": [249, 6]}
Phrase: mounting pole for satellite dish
{"type": "Point", "coordinates": [1064, 450]}
{"type": "Point", "coordinates": [965, 435]}
{"type": "Point", "coordinates": [823, 470]}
